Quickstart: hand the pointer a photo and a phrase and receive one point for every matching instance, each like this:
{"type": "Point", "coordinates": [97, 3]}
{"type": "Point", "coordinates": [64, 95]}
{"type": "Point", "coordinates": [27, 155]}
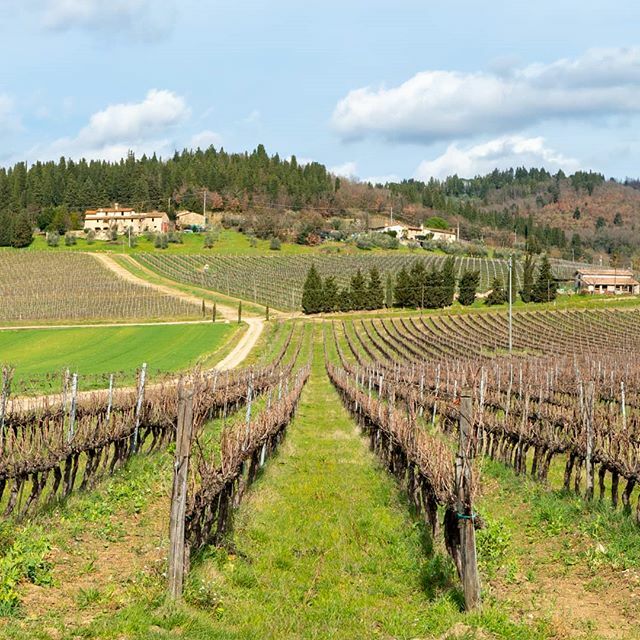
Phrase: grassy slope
{"type": "Point", "coordinates": [91, 351]}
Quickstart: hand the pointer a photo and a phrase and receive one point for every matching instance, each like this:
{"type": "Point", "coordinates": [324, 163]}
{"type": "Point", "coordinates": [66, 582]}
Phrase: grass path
{"type": "Point", "coordinates": [326, 547]}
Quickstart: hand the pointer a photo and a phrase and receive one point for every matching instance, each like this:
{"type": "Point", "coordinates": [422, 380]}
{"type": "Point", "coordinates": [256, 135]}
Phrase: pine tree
{"type": "Point", "coordinates": [545, 288]}
{"type": "Point", "coordinates": [375, 292]}
{"type": "Point", "coordinates": [312, 292]}
{"type": "Point", "coordinates": [469, 283]}
{"type": "Point", "coordinates": [22, 235]}
{"type": "Point", "coordinates": [497, 295]}
{"type": "Point", "coordinates": [528, 268]}
{"type": "Point", "coordinates": [358, 291]}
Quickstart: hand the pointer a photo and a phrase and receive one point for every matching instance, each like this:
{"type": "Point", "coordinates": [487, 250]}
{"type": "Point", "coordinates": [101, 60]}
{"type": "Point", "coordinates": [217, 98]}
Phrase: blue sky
{"type": "Point", "coordinates": [372, 89]}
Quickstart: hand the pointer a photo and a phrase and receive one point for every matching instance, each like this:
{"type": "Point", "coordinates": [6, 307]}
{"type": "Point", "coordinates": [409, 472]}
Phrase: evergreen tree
{"type": "Point", "coordinates": [358, 291]}
{"type": "Point", "coordinates": [434, 289]}
{"type": "Point", "coordinates": [402, 290]}
{"type": "Point", "coordinates": [528, 268]}
{"type": "Point", "coordinates": [22, 235]}
{"type": "Point", "coordinates": [469, 283]}
{"type": "Point", "coordinates": [312, 292]}
{"type": "Point", "coordinates": [344, 300]}
{"type": "Point", "coordinates": [375, 292]}
{"type": "Point", "coordinates": [329, 294]}
{"type": "Point", "coordinates": [545, 288]}
{"type": "Point", "coordinates": [497, 295]}
{"type": "Point", "coordinates": [448, 276]}
{"type": "Point", "coordinates": [388, 292]}
{"type": "Point", "coordinates": [6, 229]}
{"type": "Point", "coordinates": [418, 293]}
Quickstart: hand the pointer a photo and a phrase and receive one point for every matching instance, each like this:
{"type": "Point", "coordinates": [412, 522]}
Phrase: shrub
{"type": "Point", "coordinates": [161, 241]}
{"type": "Point", "coordinates": [275, 244]}
{"type": "Point", "coordinates": [113, 234]}
{"type": "Point", "coordinates": [174, 237]}
{"type": "Point", "coordinates": [210, 239]}
{"type": "Point", "coordinates": [91, 237]}
{"type": "Point", "coordinates": [53, 239]}
{"type": "Point", "coordinates": [70, 239]}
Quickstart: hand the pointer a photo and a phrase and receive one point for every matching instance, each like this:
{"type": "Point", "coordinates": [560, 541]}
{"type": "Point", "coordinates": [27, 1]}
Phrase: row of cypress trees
{"type": "Point", "coordinates": [15, 231]}
{"type": "Point", "coordinates": [542, 287]}
{"type": "Point", "coordinates": [417, 287]}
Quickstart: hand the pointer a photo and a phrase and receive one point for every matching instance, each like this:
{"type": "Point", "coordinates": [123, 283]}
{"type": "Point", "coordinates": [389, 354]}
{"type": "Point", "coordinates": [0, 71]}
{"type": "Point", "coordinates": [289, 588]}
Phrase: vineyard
{"type": "Point", "coordinates": [278, 280]}
{"type": "Point", "coordinates": [570, 393]}
{"type": "Point", "coordinates": [45, 287]}
{"type": "Point", "coordinates": [274, 497]}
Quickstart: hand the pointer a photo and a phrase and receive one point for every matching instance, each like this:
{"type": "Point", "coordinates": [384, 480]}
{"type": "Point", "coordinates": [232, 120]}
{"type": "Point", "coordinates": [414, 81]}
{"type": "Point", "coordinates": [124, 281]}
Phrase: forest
{"type": "Point", "coordinates": [261, 190]}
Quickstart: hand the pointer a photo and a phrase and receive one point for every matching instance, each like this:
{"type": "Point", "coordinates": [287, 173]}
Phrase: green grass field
{"type": "Point", "coordinates": [94, 351]}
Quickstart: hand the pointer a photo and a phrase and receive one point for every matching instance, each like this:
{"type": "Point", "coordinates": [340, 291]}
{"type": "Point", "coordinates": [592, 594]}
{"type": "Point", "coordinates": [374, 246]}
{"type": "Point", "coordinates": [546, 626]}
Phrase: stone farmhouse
{"type": "Point", "coordinates": [102, 221]}
{"type": "Point", "coordinates": [606, 280]}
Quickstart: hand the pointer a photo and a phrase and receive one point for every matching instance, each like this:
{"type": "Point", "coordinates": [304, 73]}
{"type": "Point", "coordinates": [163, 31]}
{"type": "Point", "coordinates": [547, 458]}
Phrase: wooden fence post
{"type": "Point", "coordinates": [110, 398]}
{"type": "Point", "coordinates": [588, 421]}
{"type": "Point", "coordinates": [72, 409]}
{"type": "Point", "coordinates": [184, 433]}
{"type": "Point", "coordinates": [7, 376]}
{"type": "Point", "coordinates": [240, 312]}
{"type": "Point", "coordinates": [213, 312]}
{"type": "Point", "coordinates": [464, 503]}
{"type": "Point", "coordinates": [141, 383]}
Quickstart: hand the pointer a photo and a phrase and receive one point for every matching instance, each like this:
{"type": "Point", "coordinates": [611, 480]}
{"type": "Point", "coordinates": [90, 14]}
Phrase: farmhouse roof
{"type": "Point", "coordinates": [610, 279]}
{"type": "Point", "coordinates": [90, 212]}
{"type": "Point", "coordinates": [603, 271]}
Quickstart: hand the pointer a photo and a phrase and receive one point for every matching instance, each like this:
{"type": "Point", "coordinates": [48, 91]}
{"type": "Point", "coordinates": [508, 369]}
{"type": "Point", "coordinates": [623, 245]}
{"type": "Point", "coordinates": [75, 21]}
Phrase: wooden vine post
{"type": "Point", "coordinates": [240, 312]}
{"type": "Point", "coordinates": [7, 375]}
{"type": "Point", "coordinates": [177, 549]}
{"type": "Point", "coordinates": [141, 383]}
{"type": "Point", "coordinates": [213, 312]}
{"type": "Point", "coordinates": [464, 503]}
{"type": "Point", "coordinates": [588, 423]}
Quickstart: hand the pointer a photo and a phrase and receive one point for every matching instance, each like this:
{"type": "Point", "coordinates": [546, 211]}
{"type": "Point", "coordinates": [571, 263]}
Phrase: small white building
{"type": "Point", "coordinates": [606, 280]}
{"type": "Point", "coordinates": [405, 233]}
{"type": "Point", "coordinates": [102, 221]}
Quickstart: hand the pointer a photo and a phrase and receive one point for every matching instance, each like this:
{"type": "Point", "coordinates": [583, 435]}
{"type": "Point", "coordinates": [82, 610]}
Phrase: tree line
{"type": "Point", "coordinates": [421, 288]}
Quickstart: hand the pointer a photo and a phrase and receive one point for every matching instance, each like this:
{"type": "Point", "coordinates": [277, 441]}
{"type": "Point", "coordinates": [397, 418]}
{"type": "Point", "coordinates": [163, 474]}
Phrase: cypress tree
{"type": "Point", "coordinates": [497, 295]}
{"type": "Point", "coordinates": [344, 300]}
{"type": "Point", "coordinates": [528, 267]}
{"type": "Point", "coordinates": [312, 292]}
{"type": "Point", "coordinates": [22, 232]}
{"type": "Point", "coordinates": [388, 292]}
{"type": "Point", "coordinates": [545, 288]}
{"type": "Point", "coordinates": [433, 298]}
{"type": "Point", "coordinates": [402, 289]}
{"type": "Point", "coordinates": [329, 294]}
{"type": "Point", "coordinates": [375, 292]}
{"type": "Point", "coordinates": [469, 283]}
{"type": "Point", "coordinates": [448, 275]}
{"type": "Point", "coordinates": [358, 291]}
{"type": "Point", "coordinates": [418, 285]}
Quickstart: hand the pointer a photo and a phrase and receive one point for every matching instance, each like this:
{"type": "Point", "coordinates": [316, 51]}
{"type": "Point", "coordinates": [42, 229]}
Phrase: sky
{"type": "Point", "coordinates": [376, 90]}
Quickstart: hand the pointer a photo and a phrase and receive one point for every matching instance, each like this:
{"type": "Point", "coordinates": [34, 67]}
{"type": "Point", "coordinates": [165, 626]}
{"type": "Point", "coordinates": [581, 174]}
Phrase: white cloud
{"type": "Point", "coordinates": [345, 170]}
{"type": "Point", "coordinates": [147, 19]}
{"type": "Point", "coordinates": [204, 139]}
{"type": "Point", "coordinates": [447, 105]}
{"type": "Point", "coordinates": [501, 153]}
{"type": "Point", "coordinates": [139, 126]}
{"type": "Point", "coordinates": [392, 177]}
{"type": "Point", "coordinates": [9, 120]}
{"type": "Point", "coordinates": [253, 118]}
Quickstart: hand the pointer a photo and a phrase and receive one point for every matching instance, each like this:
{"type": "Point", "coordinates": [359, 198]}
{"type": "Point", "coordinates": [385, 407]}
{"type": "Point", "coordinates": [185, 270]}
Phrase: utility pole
{"type": "Point", "coordinates": [510, 304]}
{"type": "Point", "coordinates": [204, 206]}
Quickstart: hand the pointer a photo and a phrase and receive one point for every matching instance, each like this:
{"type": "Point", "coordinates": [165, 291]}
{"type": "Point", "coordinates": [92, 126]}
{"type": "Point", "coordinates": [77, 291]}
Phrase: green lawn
{"type": "Point", "coordinates": [94, 351]}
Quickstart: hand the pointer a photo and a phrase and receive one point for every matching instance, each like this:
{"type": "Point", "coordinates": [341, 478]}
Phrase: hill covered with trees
{"type": "Point", "coordinates": [269, 196]}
